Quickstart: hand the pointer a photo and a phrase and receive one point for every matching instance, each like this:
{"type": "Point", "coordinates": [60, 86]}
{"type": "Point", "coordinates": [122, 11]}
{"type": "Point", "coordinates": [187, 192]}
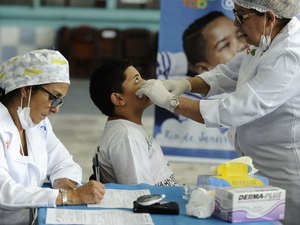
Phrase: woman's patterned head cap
{"type": "Point", "coordinates": [33, 68]}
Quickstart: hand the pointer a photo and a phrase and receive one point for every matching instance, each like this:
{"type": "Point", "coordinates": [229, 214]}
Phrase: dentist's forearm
{"type": "Point", "coordinates": [198, 85]}
{"type": "Point", "coordinates": [190, 109]}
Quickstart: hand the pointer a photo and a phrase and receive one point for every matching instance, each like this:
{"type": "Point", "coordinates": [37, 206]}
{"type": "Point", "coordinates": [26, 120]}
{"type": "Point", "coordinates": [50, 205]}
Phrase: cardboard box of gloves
{"type": "Point", "coordinates": [249, 204]}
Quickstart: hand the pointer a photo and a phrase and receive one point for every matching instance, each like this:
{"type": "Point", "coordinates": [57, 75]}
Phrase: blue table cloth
{"type": "Point", "coordinates": [172, 194]}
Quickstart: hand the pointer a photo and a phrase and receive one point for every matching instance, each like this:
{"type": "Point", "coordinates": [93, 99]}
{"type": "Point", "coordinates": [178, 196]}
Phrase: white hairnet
{"type": "Point", "coordinates": [33, 68]}
{"type": "Point", "coordinates": [281, 8]}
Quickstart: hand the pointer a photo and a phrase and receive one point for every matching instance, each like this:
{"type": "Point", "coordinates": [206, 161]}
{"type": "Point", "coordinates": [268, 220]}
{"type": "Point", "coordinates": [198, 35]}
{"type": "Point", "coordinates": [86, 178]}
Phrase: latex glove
{"type": "Point", "coordinates": [201, 203]}
{"type": "Point", "coordinates": [177, 87]}
{"type": "Point", "coordinates": [156, 92]}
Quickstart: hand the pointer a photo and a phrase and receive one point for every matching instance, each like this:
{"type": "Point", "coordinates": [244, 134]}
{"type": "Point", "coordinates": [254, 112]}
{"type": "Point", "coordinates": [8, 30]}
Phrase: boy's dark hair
{"type": "Point", "coordinates": [193, 40]}
{"type": "Point", "coordinates": [106, 79]}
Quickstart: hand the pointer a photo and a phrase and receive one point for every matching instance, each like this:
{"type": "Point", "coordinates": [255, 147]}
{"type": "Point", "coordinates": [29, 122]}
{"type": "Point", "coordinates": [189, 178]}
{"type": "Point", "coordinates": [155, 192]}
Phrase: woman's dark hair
{"type": "Point", "coordinates": [2, 93]}
{"type": "Point", "coordinates": [6, 98]}
{"type": "Point", "coordinates": [105, 80]}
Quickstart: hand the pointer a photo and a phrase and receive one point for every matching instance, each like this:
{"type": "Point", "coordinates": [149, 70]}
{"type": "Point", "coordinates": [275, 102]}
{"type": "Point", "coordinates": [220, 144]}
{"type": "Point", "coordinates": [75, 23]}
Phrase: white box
{"type": "Point", "coordinates": [249, 204]}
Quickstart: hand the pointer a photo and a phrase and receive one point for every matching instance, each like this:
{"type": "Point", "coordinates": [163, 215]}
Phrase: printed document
{"type": "Point", "coordinates": [93, 217]}
{"type": "Point", "coordinates": [115, 198]}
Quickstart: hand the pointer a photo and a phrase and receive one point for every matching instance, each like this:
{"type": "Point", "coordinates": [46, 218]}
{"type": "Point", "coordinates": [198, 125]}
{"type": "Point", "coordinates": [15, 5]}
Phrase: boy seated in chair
{"type": "Point", "coordinates": [128, 154]}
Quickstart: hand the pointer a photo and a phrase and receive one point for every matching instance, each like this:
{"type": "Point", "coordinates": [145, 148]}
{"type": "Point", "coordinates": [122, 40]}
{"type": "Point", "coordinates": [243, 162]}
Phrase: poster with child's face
{"type": "Point", "coordinates": [194, 37]}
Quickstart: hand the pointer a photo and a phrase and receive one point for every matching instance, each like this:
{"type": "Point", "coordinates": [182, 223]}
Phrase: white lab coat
{"type": "Point", "coordinates": [264, 108]}
{"type": "Point", "coordinates": [21, 177]}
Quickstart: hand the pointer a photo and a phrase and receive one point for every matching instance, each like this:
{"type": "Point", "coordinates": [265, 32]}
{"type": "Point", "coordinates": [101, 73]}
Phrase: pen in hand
{"type": "Point", "coordinates": [97, 168]}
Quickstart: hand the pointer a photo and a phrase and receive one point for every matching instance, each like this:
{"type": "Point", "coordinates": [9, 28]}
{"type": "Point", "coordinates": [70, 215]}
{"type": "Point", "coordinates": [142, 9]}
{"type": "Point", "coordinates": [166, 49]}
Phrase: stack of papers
{"type": "Point", "coordinates": [93, 217]}
{"type": "Point", "coordinates": [113, 198]}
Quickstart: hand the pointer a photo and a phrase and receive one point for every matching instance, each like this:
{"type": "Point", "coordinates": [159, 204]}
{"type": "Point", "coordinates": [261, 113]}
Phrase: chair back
{"type": "Point", "coordinates": [96, 166]}
{"type": "Point", "coordinates": [82, 51]}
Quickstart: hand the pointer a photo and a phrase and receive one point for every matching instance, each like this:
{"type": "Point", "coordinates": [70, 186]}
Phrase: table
{"type": "Point", "coordinates": [172, 194]}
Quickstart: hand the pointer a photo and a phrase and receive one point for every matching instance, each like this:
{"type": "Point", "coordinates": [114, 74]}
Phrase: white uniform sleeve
{"type": "Point", "coordinates": [223, 78]}
{"type": "Point", "coordinates": [275, 82]}
{"type": "Point", "coordinates": [60, 162]}
{"type": "Point", "coordinates": [16, 196]}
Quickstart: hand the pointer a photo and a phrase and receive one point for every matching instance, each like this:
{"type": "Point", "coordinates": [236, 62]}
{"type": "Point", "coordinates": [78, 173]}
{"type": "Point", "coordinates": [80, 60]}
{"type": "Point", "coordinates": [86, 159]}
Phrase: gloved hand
{"type": "Point", "coordinates": [177, 87]}
{"type": "Point", "coordinates": [156, 92]}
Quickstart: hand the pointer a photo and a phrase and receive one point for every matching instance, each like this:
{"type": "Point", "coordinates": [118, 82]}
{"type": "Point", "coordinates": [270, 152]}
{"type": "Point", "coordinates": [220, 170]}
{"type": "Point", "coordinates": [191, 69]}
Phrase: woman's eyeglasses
{"type": "Point", "coordinates": [240, 18]}
{"type": "Point", "coordinates": [56, 101]}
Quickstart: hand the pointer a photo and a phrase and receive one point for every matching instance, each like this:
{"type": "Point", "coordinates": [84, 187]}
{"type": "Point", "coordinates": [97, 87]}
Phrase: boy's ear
{"type": "Point", "coordinates": [117, 99]}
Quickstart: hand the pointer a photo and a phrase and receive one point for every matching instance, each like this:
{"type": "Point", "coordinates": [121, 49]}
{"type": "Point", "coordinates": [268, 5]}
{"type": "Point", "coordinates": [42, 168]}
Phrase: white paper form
{"type": "Point", "coordinates": [93, 217]}
{"type": "Point", "coordinates": [115, 198]}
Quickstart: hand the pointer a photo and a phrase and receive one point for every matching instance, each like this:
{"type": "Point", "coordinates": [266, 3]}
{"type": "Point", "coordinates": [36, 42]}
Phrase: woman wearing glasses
{"type": "Point", "coordinates": [263, 105]}
{"type": "Point", "coordinates": [33, 86]}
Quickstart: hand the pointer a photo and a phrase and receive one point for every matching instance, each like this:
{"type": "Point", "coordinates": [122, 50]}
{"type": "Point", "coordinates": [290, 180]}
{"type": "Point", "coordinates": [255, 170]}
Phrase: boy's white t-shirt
{"type": "Point", "coordinates": [129, 155]}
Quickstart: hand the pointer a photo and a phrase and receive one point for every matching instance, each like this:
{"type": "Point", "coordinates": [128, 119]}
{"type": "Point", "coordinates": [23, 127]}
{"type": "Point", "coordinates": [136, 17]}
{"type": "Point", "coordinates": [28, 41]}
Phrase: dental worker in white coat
{"type": "Point", "coordinates": [33, 86]}
{"type": "Point", "coordinates": [263, 105]}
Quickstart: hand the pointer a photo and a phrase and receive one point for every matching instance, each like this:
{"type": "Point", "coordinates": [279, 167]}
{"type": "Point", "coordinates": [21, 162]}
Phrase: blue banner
{"type": "Point", "coordinates": [182, 138]}
{"type": "Point", "coordinates": [176, 15]}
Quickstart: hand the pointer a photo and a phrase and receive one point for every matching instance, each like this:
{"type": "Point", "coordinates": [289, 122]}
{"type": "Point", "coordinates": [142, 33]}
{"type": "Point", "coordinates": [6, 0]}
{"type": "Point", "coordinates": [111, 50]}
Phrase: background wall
{"type": "Point", "coordinates": [30, 24]}
{"type": "Point", "coordinates": [15, 40]}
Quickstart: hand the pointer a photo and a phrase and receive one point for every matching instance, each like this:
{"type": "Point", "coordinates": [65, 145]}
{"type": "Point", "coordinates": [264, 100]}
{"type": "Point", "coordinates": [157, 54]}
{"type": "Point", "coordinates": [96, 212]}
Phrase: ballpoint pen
{"type": "Point", "coordinates": [97, 167]}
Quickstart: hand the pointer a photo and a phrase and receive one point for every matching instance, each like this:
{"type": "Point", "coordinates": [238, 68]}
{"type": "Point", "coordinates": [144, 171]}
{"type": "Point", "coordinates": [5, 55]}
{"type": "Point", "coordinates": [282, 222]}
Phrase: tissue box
{"type": "Point", "coordinates": [232, 181]}
{"type": "Point", "coordinates": [250, 204]}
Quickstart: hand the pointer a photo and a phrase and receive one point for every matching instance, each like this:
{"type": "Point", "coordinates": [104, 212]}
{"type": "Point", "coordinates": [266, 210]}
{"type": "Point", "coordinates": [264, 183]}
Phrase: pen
{"type": "Point", "coordinates": [97, 168]}
{"type": "Point", "coordinates": [94, 164]}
